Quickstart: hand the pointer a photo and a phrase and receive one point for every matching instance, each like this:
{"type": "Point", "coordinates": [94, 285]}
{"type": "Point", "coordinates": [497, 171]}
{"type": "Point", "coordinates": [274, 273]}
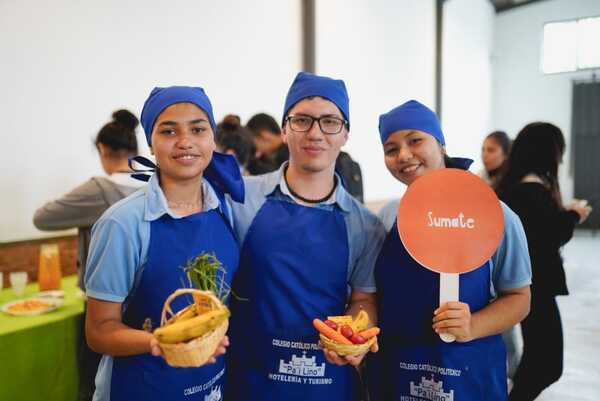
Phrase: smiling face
{"type": "Point", "coordinates": [313, 151]}
{"type": "Point", "coordinates": [410, 154]}
{"type": "Point", "coordinates": [183, 142]}
{"type": "Point", "coordinates": [492, 154]}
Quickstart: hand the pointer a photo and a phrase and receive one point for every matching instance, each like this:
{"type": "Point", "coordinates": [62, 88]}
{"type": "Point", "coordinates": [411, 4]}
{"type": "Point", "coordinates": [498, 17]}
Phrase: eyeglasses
{"type": "Point", "coordinates": [329, 125]}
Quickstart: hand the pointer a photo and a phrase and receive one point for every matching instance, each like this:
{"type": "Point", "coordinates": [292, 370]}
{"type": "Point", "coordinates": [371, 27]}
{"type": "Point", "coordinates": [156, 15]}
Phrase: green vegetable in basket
{"type": "Point", "coordinates": [205, 272]}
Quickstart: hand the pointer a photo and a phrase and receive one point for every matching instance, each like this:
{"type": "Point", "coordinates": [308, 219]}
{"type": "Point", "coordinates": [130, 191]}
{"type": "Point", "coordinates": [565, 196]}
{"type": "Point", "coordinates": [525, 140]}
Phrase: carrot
{"type": "Point", "coordinates": [368, 333]}
{"type": "Point", "coordinates": [330, 333]}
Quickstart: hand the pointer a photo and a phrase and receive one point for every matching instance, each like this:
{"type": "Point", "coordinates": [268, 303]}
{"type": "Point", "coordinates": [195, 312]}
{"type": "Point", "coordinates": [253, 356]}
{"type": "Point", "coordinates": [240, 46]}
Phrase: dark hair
{"type": "Point", "coordinates": [119, 134]}
{"type": "Point", "coordinates": [263, 122]}
{"type": "Point", "coordinates": [501, 139]}
{"type": "Point", "coordinates": [538, 149]}
{"type": "Point", "coordinates": [231, 135]}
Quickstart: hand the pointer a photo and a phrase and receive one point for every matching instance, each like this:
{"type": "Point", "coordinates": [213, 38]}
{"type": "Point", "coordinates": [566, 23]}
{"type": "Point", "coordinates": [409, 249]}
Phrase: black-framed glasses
{"type": "Point", "coordinates": [329, 125]}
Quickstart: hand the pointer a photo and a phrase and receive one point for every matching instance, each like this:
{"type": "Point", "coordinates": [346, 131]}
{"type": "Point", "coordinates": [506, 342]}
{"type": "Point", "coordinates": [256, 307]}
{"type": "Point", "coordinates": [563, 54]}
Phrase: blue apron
{"type": "Point", "coordinates": [413, 363]}
{"type": "Point", "coordinates": [293, 269]}
{"type": "Point", "coordinates": [172, 243]}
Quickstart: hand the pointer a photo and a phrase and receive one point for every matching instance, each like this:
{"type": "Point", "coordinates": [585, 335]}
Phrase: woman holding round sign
{"type": "Point", "coordinates": [453, 273]}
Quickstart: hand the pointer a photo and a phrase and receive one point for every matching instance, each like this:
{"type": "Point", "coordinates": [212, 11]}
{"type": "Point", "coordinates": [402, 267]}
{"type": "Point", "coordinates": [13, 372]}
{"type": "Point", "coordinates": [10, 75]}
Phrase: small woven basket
{"type": "Point", "coordinates": [346, 349]}
{"type": "Point", "coordinates": [196, 352]}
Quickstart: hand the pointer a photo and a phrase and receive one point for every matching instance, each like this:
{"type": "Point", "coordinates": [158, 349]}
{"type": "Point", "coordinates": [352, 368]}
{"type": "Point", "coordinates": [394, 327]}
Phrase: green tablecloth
{"type": "Point", "coordinates": [38, 354]}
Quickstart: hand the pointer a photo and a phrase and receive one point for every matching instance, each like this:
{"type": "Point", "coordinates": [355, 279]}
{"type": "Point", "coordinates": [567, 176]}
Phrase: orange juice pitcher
{"type": "Point", "coordinates": [49, 274]}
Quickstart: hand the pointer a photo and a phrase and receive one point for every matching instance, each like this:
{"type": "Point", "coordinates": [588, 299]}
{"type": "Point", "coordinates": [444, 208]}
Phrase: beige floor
{"type": "Point", "coordinates": [581, 322]}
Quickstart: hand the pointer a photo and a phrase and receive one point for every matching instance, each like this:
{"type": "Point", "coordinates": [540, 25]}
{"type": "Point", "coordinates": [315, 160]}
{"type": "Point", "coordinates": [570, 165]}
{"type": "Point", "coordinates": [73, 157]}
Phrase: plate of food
{"type": "Point", "coordinates": [31, 306]}
{"type": "Point", "coordinates": [50, 294]}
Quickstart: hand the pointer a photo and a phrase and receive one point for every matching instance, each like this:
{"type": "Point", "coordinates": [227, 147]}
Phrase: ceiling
{"type": "Point", "coordinates": [504, 5]}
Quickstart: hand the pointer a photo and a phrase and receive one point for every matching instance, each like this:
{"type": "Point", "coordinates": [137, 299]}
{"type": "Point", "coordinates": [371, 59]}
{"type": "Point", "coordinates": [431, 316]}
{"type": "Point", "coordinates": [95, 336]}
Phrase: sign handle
{"type": "Point", "coordinates": [448, 292]}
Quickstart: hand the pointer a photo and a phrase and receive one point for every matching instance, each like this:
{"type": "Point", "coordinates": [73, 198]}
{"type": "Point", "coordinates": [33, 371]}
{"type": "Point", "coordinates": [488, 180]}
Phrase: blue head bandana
{"type": "Point", "coordinates": [416, 116]}
{"type": "Point", "coordinates": [410, 115]}
{"type": "Point", "coordinates": [223, 171]}
{"type": "Point", "coordinates": [161, 98]}
{"type": "Point", "coordinates": [307, 85]}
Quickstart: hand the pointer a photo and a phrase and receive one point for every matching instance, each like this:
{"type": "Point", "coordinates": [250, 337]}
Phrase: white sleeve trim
{"type": "Point", "coordinates": [103, 296]}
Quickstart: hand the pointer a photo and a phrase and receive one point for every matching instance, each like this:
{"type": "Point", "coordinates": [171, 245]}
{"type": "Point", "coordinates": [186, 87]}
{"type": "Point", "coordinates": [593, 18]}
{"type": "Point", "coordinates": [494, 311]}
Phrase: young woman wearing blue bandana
{"type": "Point", "coordinates": [140, 244]}
{"type": "Point", "coordinates": [308, 251]}
{"type": "Point", "coordinates": [413, 362]}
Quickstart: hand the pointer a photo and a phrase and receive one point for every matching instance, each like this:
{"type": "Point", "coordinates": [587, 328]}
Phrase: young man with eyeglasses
{"type": "Point", "coordinates": [308, 251]}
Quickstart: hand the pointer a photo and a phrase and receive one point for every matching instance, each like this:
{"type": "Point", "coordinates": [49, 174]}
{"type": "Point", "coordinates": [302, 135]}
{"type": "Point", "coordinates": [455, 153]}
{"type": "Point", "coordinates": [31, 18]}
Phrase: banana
{"type": "Point", "coordinates": [182, 331]}
{"type": "Point", "coordinates": [361, 322]}
{"type": "Point", "coordinates": [341, 320]}
{"type": "Point", "coordinates": [186, 313]}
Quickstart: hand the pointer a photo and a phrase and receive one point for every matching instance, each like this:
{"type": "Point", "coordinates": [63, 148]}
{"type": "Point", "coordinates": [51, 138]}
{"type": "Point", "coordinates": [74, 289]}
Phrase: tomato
{"type": "Point", "coordinates": [347, 331]}
{"type": "Point", "coordinates": [357, 339]}
{"type": "Point", "coordinates": [331, 324]}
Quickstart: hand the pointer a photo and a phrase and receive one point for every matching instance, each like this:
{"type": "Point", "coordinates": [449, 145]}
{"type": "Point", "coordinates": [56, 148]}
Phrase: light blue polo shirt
{"type": "Point", "coordinates": [119, 250]}
{"type": "Point", "coordinates": [511, 265]}
{"type": "Point", "coordinates": [364, 230]}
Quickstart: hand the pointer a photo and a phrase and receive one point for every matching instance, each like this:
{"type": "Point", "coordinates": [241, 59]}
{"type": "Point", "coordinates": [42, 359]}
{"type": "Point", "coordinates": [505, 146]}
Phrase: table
{"type": "Point", "coordinates": [38, 354]}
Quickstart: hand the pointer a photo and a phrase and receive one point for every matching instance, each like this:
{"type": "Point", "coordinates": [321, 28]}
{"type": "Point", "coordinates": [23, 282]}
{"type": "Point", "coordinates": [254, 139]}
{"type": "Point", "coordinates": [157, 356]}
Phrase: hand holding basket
{"type": "Point", "coordinates": [191, 336]}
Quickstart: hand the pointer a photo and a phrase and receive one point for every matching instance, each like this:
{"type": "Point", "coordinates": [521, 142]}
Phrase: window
{"type": "Point", "coordinates": [571, 45]}
{"type": "Point", "coordinates": [588, 43]}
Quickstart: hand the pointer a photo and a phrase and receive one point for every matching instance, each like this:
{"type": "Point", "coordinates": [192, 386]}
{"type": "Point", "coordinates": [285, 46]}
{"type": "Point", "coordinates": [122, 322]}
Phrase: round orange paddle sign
{"type": "Point", "coordinates": [450, 221]}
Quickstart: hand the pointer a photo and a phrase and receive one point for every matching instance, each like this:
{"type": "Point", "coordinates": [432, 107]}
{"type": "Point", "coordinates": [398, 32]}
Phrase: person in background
{"type": "Point", "coordinates": [308, 251]}
{"type": "Point", "coordinates": [271, 151]}
{"type": "Point", "coordinates": [351, 174]}
{"type": "Point", "coordinates": [493, 297]}
{"type": "Point", "coordinates": [530, 187]}
{"type": "Point", "coordinates": [494, 153]}
{"type": "Point", "coordinates": [234, 139]}
{"type": "Point", "coordinates": [81, 207]}
{"type": "Point", "coordinates": [140, 244]}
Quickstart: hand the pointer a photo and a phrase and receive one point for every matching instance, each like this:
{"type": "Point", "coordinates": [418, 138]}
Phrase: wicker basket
{"type": "Point", "coordinates": [346, 349]}
{"type": "Point", "coordinates": [196, 352]}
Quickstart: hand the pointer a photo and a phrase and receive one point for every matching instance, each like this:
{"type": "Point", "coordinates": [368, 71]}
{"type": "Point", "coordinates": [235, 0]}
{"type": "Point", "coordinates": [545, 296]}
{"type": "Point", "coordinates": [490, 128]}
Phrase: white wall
{"type": "Point", "coordinates": [385, 52]}
{"type": "Point", "coordinates": [522, 94]}
{"type": "Point", "coordinates": [66, 65]}
{"type": "Point", "coordinates": [468, 32]}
